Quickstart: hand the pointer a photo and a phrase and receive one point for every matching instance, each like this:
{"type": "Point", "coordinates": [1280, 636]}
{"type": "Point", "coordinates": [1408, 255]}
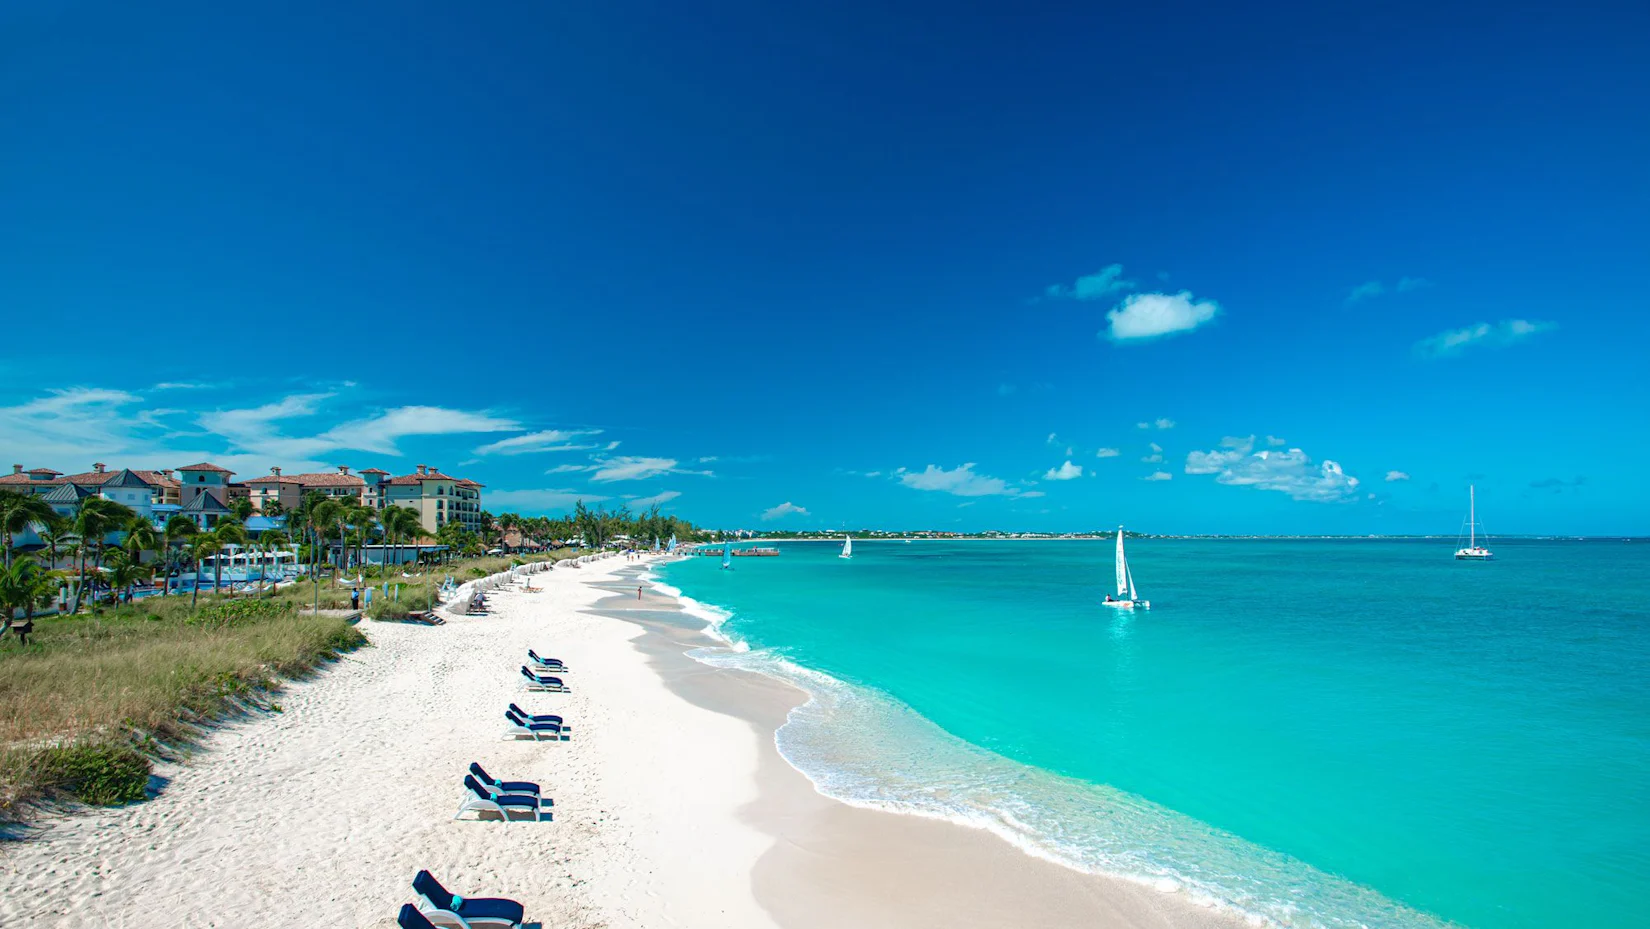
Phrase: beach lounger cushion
{"type": "Point", "coordinates": [501, 800]}
{"type": "Point", "coordinates": [530, 725]}
{"type": "Point", "coordinates": [485, 910]}
{"type": "Point", "coordinates": [410, 918]}
{"type": "Point", "coordinates": [536, 717]}
{"type": "Point", "coordinates": [546, 662]}
{"type": "Point", "coordinates": [503, 787]}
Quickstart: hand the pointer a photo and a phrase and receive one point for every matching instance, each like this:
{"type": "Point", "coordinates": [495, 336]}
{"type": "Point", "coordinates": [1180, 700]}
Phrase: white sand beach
{"type": "Point", "coordinates": [672, 806]}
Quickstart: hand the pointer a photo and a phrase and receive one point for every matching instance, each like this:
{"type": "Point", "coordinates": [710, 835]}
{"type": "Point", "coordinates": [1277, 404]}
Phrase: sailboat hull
{"type": "Point", "coordinates": [1127, 604]}
{"type": "Point", "coordinates": [1474, 554]}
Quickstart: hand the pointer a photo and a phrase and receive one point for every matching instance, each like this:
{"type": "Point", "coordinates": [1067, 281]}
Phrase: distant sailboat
{"type": "Point", "coordinates": [727, 556]}
{"type": "Point", "coordinates": [1473, 551]}
{"type": "Point", "coordinates": [847, 547]}
{"type": "Point", "coordinates": [1126, 598]}
{"type": "Point", "coordinates": [672, 548]}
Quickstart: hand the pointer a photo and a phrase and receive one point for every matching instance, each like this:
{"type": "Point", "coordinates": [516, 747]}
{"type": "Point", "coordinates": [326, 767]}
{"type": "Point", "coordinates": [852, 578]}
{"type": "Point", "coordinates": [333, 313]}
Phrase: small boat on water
{"type": "Point", "coordinates": [1127, 598]}
{"type": "Point", "coordinates": [1473, 551]}
{"type": "Point", "coordinates": [847, 547]}
{"type": "Point", "coordinates": [727, 556]}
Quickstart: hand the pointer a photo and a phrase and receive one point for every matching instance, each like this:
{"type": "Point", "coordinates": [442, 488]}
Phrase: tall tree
{"type": "Point", "coordinates": [228, 533]}
{"type": "Point", "coordinates": [202, 545]}
{"type": "Point", "coordinates": [56, 536]}
{"type": "Point", "coordinates": [24, 585]}
{"type": "Point", "coordinates": [94, 519]}
{"type": "Point", "coordinates": [178, 531]}
{"type": "Point", "coordinates": [18, 512]}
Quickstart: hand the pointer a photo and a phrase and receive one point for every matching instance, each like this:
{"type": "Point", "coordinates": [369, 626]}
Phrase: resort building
{"type": "Point", "coordinates": [164, 488]}
{"type": "Point", "coordinates": [203, 478]}
{"type": "Point", "coordinates": [437, 498]}
{"type": "Point", "coordinates": [291, 489]}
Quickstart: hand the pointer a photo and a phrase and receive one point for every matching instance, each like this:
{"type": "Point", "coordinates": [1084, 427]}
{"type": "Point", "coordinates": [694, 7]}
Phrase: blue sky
{"type": "Point", "coordinates": [846, 265]}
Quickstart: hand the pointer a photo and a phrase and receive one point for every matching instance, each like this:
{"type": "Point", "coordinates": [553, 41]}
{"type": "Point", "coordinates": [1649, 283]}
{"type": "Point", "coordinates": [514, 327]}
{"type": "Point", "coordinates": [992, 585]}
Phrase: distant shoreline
{"type": "Point", "coordinates": [1085, 537]}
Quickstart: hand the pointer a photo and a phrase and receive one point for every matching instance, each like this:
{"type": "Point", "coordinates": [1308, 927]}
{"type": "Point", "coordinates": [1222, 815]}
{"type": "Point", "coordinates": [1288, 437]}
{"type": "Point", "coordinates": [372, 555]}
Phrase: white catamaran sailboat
{"type": "Point", "coordinates": [1127, 598]}
{"type": "Point", "coordinates": [727, 556]}
{"type": "Point", "coordinates": [1473, 551]}
{"type": "Point", "coordinates": [847, 547]}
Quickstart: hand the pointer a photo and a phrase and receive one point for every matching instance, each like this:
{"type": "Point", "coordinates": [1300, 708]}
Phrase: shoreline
{"type": "Point", "coordinates": [833, 862]}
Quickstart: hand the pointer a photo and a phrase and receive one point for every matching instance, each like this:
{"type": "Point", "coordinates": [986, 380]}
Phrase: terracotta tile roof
{"type": "Point", "coordinates": [466, 482]}
{"type": "Point", "coordinates": [206, 466]}
{"type": "Point", "coordinates": [89, 478]}
{"type": "Point", "coordinates": [276, 479]}
{"type": "Point", "coordinates": [406, 479]}
{"type": "Point", "coordinates": [373, 471]}
{"type": "Point", "coordinates": [44, 471]}
{"type": "Point", "coordinates": [331, 479]}
{"type": "Point", "coordinates": [8, 479]}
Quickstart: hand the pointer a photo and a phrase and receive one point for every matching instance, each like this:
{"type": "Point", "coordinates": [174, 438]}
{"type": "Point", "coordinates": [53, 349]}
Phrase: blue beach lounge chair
{"type": "Point", "coordinates": [520, 788]}
{"type": "Point", "coordinates": [482, 800]}
{"type": "Point", "coordinates": [540, 717]}
{"type": "Point", "coordinates": [445, 909]}
{"type": "Point", "coordinates": [543, 682]}
{"type": "Point", "coordinates": [548, 664]}
{"type": "Point", "coordinates": [517, 726]}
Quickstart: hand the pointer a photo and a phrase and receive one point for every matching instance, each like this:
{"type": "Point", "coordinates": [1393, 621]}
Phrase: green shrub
{"type": "Point", "coordinates": [99, 774]}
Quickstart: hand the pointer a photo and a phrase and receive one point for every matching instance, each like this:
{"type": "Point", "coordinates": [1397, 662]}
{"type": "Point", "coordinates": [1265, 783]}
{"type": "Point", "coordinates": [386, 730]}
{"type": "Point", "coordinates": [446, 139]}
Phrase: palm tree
{"type": "Point", "coordinates": [125, 571]}
{"type": "Point", "coordinates": [201, 547]}
{"type": "Point", "coordinates": [23, 585]}
{"type": "Point", "coordinates": [56, 536]}
{"type": "Point", "coordinates": [272, 540]}
{"type": "Point", "coordinates": [178, 531]}
{"type": "Point", "coordinates": [227, 532]}
{"type": "Point", "coordinates": [94, 519]}
{"type": "Point", "coordinates": [242, 509]}
{"type": "Point", "coordinates": [401, 524]}
{"type": "Point", "coordinates": [365, 520]}
{"type": "Point", "coordinates": [18, 512]}
{"type": "Point", "coordinates": [323, 518]}
{"type": "Point", "coordinates": [141, 537]}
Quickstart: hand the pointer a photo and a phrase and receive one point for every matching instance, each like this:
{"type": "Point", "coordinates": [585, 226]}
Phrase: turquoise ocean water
{"type": "Point", "coordinates": [1333, 733]}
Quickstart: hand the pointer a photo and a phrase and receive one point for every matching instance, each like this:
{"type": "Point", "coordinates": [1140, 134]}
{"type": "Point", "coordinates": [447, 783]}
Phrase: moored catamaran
{"type": "Point", "coordinates": [1473, 551]}
{"type": "Point", "coordinates": [1127, 598]}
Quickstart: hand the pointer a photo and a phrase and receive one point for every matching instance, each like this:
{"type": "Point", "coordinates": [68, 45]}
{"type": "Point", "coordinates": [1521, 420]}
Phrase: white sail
{"type": "Point", "coordinates": [1123, 591]}
{"type": "Point", "coordinates": [847, 547]}
{"type": "Point", "coordinates": [1132, 594]}
{"type": "Point", "coordinates": [727, 555]}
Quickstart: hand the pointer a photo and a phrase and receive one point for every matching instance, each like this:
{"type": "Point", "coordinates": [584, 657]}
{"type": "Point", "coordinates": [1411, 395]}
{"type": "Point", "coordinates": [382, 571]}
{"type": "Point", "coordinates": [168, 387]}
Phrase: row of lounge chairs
{"type": "Point", "coordinates": [484, 794]}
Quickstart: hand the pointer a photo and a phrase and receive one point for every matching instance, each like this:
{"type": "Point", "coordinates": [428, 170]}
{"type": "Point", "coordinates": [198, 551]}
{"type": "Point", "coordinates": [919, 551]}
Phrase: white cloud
{"type": "Point", "coordinates": [1065, 472]}
{"type": "Point", "coordinates": [1484, 335]}
{"type": "Point", "coordinates": [538, 501]}
{"type": "Point", "coordinates": [1155, 456]}
{"type": "Point", "coordinates": [1158, 476]}
{"type": "Point", "coordinates": [1107, 453]}
{"type": "Point", "coordinates": [1275, 442]}
{"type": "Point", "coordinates": [1097, 286]}
{"type": "Point", "coordinates": [379, 433]}
{"type": "Point", "coordinates": [548, 440]}
{"type": "Point", "coordinates": [1396, 476]}
{"type": "Point", "coordinates": [1053, 439]}
{"type": "Point", "coordinates": [1148, 316]}
{"type": "Point", "coordinates": [662, 497]}
{"type": "Point", "coordinates": [782, 510]}
{"type": "Point", "coordinates": [962, 481]}
{"type": "Point", "coordinates": [1160, 423]}
{"type": "Point", "coordinates": [1292, 472]}
{"type": "Point", "coordinates": [1365, 290]}
{"type": "Point", "coordinates": [631, 468]}
{"type": "Point", "coordinates": [570, 468]}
